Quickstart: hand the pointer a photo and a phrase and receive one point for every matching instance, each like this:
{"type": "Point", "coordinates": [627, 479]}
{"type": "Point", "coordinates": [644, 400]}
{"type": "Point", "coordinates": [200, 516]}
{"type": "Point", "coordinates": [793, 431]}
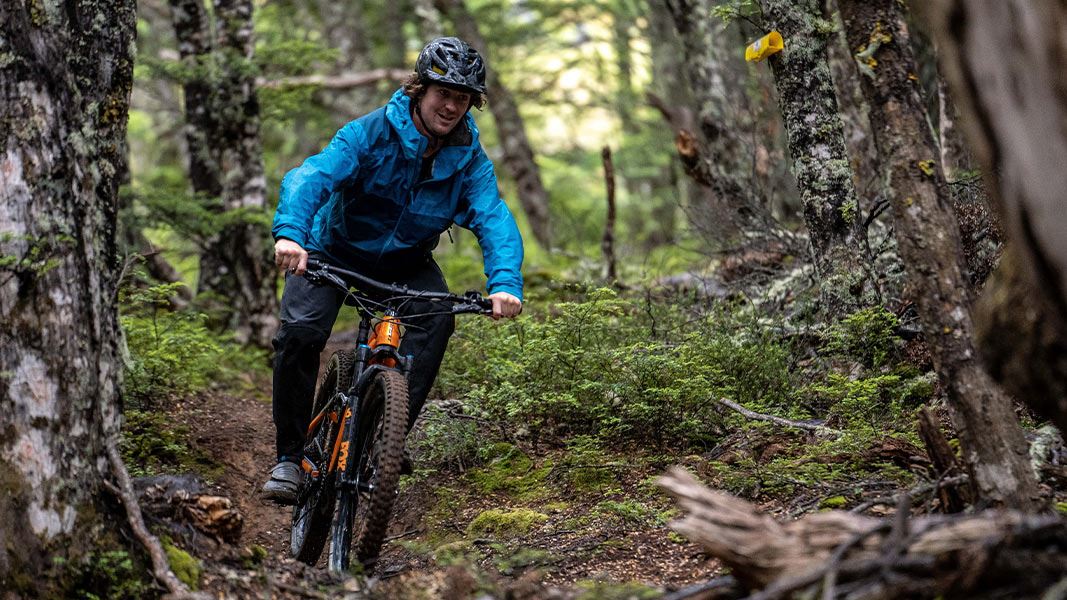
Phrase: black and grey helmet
{"type": "Point", "coordinates": [451, 61]}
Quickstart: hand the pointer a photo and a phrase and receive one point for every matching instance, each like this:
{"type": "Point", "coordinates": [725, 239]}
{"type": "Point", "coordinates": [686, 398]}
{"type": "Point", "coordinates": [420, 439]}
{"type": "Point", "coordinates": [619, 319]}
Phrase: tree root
{"type": "Point", "coordinates": [160, 567]}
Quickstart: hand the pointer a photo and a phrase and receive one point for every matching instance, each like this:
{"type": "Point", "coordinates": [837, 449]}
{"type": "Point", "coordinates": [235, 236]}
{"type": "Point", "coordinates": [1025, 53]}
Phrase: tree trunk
{"type": "Point", "coordinates": [225, 161]}
{"type": "Point", "coordinates": [817, 144]}
{"type": "Point", "coordinates": [1004, 63]}
{"type": "Point", "coordinates": [955, 156]}
{"type": "Point", "coordinates": [395, 13]}
{"type": "Point", "coordinates": [518, 156]}
{"type": "Point", "coordinates": [868, 174]}
{"type": "Point", "coordinates": [345, 30]}
{"type": "Point", "coordinates": [607, 242]}
{"type": "Point", "coordinates": [994, 450]}
{"type": "Point", "coordinates": [65, 84]}
{"type": "Point", "coordinates": [734, 201]}
{"type": "Point", "coordinates": [622, 19]}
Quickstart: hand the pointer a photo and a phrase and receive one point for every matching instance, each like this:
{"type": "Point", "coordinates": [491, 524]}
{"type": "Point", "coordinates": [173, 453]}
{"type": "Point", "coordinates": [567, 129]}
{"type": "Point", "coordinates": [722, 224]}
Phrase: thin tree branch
{"type": "Point", "coordinates": [755, 416]}
{"type": "Point", "coordinates": [345, 81]}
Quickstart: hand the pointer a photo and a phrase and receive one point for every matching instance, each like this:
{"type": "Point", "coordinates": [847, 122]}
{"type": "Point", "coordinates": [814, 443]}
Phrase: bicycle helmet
{"type": "Point", "coordinates": [451, 61]}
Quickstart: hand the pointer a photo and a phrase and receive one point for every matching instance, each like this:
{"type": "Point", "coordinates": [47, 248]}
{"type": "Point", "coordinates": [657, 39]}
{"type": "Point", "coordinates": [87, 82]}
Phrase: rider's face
{"type": "Point", "coordinates": [441, 108]}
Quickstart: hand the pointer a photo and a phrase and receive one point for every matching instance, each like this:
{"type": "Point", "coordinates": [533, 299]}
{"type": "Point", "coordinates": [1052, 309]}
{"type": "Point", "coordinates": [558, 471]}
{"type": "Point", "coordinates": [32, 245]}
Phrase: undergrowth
{"type": "Point", "coordinates": [172, 354]}
{"type": "Point", "coordinates": [605, 371]}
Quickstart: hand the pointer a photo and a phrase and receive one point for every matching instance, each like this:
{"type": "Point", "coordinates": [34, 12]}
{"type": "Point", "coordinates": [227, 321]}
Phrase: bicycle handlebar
{"type": "Point", "coordinates": [319, 272]}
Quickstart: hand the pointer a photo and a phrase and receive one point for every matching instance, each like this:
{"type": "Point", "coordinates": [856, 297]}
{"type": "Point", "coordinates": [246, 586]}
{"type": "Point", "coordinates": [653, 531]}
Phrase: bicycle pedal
{"type": "Point", "coordinates": [310, 468]}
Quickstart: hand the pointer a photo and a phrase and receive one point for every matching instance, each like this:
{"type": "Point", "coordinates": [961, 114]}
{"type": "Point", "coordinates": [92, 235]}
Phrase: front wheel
{"type": "Point", "coordinates": [362, 516]}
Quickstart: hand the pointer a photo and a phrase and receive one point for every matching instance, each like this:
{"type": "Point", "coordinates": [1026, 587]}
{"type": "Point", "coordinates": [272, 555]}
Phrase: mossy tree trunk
{"type": "Point", "coordinates": [991, 439]}
{"type": "Point", "coordinates": [225, 162]}
{"type": "Point", "coordinates": [1004, 64]}
{"type": "Point", "coordinates": [65, 79]}
{"type": "Point", "coordinates": [427, 19]}
{"type": "Point", "coordinates": [623, 15]}
{"type": "Point", "coordinates": [518, 155]}
{"type": "Point", "coordinates": [816, 142]}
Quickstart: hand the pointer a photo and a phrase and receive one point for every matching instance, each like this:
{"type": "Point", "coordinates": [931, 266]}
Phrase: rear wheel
{"type": "Point", "coordinates": [363, 513]}
{"type": "Point", "coordinates": [315, 502]}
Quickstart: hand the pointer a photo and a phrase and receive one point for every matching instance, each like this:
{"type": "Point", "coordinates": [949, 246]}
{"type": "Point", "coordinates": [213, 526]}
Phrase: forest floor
{"type": "Point", "coordinates": [519, 526]}
{"type": "Point", "coordinates": [575, 522]}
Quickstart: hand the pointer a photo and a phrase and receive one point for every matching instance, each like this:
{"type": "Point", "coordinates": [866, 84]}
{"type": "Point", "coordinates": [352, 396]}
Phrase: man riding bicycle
{"type": "Point", "coordinates": [375, 201]}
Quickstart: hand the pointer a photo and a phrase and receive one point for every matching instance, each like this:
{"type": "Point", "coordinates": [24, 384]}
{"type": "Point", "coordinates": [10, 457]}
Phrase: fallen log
{"type": "Point", "coordinates": [180, 500]}
{"type": "Point", "coordinates": [993, 554]}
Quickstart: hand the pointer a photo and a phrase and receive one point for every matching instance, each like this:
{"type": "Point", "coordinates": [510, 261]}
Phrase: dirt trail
{"type": "Point", "coordinates": [238, 433]}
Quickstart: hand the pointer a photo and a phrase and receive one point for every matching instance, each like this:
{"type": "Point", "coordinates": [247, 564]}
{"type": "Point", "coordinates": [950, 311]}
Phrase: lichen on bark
{"type": "Point", "coordinates": [816, 143]}
{"type": "Point", "coordinates": [64, 94]}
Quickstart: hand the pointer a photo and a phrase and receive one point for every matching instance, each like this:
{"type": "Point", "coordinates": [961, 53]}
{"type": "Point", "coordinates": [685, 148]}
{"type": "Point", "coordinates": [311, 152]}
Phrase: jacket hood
{"type": "Point", "coordinates": [398, 112]}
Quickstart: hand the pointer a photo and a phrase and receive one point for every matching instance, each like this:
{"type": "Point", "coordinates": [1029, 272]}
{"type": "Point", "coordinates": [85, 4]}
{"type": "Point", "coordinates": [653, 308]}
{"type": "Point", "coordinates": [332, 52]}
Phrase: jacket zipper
{"type": "Point", "coordinates": [413, 178]}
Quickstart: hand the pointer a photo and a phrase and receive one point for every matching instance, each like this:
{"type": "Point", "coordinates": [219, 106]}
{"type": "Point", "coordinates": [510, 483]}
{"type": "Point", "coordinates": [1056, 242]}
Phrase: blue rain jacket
{"type": "Point", "coordinates": [360, 199]}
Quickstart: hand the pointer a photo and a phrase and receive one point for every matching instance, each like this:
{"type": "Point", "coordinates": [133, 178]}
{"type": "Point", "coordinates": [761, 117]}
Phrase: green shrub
{"type": "Point", "coordinates": [590, 368]}
{"type": "Point", "coordinates": [172, 352]}
{"type": "Point", "coordinates": [868, 336]}
{"type": "Point", "coordinates": [443, 442]}
{"type": "Point", "coordinates": [111, 575]}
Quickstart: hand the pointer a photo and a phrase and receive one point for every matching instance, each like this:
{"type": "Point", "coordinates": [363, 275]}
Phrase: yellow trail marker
{"type": "Point", "coordinates": [764, 47]}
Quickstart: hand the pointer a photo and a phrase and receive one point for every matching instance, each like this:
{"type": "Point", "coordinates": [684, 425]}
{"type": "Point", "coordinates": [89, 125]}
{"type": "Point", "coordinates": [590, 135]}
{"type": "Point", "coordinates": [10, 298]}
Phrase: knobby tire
{"type": "Point", "coordinates": [362, 518]}
{"type": "Point", "coordinates": [314, 510]}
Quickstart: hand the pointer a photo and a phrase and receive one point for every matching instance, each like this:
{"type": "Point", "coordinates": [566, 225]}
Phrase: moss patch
{"type": "Point", "coordinates": [599, 590]}
{"type": "Point", "coordinates": [510, 471]}
{"type": "Point", "coordinates": [523, 558]}
{"type": "Point", "coordinates": [183, 564]}
{"type": "Point", "coordinates": [833, 502]}
{"type": "Point", "coordinates": [455, 552]}
{"type": "Point", "coordinates": [505, 524]}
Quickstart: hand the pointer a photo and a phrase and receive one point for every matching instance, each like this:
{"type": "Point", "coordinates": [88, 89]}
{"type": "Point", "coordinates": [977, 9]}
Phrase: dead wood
{"type": "Point", "coordinates": [755, 416]}
{"type": "Point", "coordinates": [607, 244]}
{"type": "Point", "coordinates": [180, 501]}
{"type": "Point", "coordinates": [838, 554]}
{"type": "Point", "coordinates": [944, 460]}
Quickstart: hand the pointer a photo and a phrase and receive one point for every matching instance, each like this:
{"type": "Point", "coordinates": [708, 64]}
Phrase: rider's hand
{"type": "Point", "coordinates": [505, 305]}
{"type": "Point", "coordinates": [289, 256]}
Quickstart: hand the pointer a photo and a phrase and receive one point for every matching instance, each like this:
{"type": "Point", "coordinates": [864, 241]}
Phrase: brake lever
{"type": "Point", "coordinates": [322, 275]}
{"type": "Point", "coordinates": [477, 300]}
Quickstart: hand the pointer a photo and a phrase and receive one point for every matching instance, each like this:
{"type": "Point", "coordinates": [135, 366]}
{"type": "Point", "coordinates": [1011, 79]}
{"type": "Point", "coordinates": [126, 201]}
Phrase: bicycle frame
{"type": "Point", "coordinates": [377, 349]}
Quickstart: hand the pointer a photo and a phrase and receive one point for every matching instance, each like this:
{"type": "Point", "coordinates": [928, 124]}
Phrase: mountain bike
{"type": "Point", "coordinates": [354, 446]}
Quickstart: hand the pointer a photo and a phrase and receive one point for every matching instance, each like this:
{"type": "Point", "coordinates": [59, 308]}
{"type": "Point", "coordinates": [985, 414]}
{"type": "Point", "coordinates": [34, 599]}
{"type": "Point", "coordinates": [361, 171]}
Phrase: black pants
{"type": "Point", "coordinates": [308, 314]}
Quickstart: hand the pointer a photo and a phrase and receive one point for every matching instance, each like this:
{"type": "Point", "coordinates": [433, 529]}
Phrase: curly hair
{"type": "Point", "coordinates": [415, 89]}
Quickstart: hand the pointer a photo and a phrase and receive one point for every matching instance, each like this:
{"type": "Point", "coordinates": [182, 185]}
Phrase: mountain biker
{"type": "Point", "coordinates": [376, 200]}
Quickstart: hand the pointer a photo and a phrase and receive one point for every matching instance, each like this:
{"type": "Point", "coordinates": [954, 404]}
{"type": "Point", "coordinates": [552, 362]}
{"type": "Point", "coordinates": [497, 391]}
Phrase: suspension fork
{"type": "Point", "coordinates": [344, 447]}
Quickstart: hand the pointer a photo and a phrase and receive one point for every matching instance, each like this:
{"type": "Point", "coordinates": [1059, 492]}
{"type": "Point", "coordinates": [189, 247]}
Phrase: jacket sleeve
{"type": "Point", "coordinates": [483, 211]}
{"type": "Point", "coordinates": [306, 188]}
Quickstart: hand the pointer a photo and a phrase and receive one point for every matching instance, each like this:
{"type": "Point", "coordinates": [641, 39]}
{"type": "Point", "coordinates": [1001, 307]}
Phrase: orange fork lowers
{"type": "Point", "coordinates": [386, 332]}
